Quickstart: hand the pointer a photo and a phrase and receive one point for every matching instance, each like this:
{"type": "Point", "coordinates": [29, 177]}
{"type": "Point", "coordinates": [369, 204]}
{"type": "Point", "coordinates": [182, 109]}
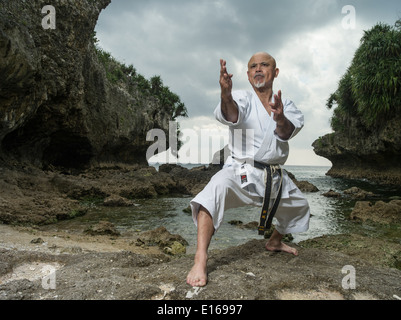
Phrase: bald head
{"type": "Point", "coordinates": [262, 56]}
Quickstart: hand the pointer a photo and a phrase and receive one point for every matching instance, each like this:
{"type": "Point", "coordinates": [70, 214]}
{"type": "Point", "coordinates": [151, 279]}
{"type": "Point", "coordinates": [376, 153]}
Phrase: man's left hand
{"type": "Point", "coordinates": [277, 108]}
{"type": "Point", "coordinates": [284, 127]}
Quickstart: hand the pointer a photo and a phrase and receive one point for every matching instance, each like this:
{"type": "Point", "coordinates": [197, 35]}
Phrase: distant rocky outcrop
{"type": "Point", "coordinates": [57, 106]}
{"type": "Point", "coordinates": [353, 193]}
{"type": "Point", "coordinates": [359, 153]}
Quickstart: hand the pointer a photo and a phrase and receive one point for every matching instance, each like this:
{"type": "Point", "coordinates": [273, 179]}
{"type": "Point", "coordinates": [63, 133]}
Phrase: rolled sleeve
{"type": "Point", "coordinates": [242, 100]}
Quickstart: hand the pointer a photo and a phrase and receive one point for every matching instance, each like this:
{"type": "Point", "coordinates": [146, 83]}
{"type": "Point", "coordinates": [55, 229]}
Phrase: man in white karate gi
{"type": "Point", "coordinates": [263, 123]}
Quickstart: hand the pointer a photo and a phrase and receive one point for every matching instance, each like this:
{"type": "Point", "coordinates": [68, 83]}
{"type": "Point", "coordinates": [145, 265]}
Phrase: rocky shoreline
{"type": "Point", "coordinates": [380, 175]}
{"type": "Point", "coordinates": [103, 264]}
{"type": "Point", "coordinates": [31, 196]}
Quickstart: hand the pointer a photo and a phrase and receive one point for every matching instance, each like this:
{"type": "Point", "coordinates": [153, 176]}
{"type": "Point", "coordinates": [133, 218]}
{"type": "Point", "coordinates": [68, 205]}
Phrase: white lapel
{"type": "Point", "coordinates": [267, 126]}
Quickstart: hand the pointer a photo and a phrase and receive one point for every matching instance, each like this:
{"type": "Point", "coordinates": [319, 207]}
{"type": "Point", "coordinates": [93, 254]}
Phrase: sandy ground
{"type": "Point", "coordinates": [109, 268]}
{"type": "Point", "coordinates": [59, 242]}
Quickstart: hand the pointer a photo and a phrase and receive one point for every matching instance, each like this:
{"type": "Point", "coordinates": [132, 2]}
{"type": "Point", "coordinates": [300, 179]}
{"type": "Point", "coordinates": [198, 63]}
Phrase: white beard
{"type": "Point", "coordinates": [259, 85]}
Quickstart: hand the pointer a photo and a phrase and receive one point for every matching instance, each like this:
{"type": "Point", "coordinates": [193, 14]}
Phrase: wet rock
{"type": "Point", "coordinates": [332, 194]}
{"type": "Point", "coordinates": [357, 193]}
{"type": "Point", "coordinates": [253, 225]}
{"type": "Point", "coordinates": [304, 186]}
{"type": "Point", "coordinates": [117, 201]}
{"type": "Point", "coordinates": [236, 222]}
{"type": "Point", "coordinates": [175, 249]}
{"type": "Point", "coordinates": [160, 237]}
{"type": "Point", "coordinates": [102, 228]}
{"type": "Point", "coordinates": [37, 241]}
{"type": "Point", "coordinates": [167, 167]}
{"type": "Point", "coordinates": [380, 211]}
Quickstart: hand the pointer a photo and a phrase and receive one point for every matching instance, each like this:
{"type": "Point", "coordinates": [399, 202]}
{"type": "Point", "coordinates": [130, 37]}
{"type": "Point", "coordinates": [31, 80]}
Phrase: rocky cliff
{"type": "Point", "coordinates": [57, 106]}
{"type": "Point", "coordinates": [362, 153]}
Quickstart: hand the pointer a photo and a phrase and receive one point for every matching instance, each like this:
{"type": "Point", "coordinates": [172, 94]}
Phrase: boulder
{"type": "Point", "coordinates": [175, 249]}
{"type": "Point", "coordinates": [357, 193]}
{"type": "Point", "coordinates": [380, 211]}
{"type": "Point", "coordinates": [332, 194]}
{"type": "Point", "coordinates": [162, 238]}
{"type": "Point", "coordinates": [304, 186]}
{"type": "Point", "coordinates": [117, 201]}
{"type": "Point", "coordinates": [102, 228]}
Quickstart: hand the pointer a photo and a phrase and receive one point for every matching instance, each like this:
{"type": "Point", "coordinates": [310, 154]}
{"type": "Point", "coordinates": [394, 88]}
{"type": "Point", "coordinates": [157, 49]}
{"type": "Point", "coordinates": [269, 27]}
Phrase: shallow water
{"type": "Point", "coordinates": [329, 215]}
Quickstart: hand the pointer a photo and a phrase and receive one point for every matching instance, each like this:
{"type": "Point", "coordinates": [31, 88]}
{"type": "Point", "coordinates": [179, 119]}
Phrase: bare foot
{"type": "Point", "coordinates": [197, 277]}
{"type": "Point", "coordinates": [281, 247]}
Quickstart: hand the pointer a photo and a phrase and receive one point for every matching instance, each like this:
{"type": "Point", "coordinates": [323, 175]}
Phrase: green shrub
{"type": "Point", "coordinates": [371, 87]}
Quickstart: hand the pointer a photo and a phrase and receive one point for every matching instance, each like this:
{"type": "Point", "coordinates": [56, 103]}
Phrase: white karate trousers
{"type": "Point", "coordinates": [224, 192]}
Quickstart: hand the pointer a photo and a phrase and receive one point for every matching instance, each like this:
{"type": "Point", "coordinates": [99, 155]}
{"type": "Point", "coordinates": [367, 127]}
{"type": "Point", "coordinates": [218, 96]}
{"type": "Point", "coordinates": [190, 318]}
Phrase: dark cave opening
{"type": "Point", "coordinates": [67, 150]}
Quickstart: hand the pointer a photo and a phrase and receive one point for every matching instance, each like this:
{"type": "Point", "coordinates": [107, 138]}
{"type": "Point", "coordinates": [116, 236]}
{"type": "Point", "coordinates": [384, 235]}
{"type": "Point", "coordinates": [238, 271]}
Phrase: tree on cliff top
{"type": "Point", "coordinates": [120, 74]}
{"type": "Point", "coordinates": [370, 90]}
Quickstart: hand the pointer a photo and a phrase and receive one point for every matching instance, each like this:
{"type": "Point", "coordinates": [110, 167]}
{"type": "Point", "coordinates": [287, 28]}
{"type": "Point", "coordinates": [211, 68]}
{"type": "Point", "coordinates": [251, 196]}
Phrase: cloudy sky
{"type": "Point", "coordinates": [313, 42]}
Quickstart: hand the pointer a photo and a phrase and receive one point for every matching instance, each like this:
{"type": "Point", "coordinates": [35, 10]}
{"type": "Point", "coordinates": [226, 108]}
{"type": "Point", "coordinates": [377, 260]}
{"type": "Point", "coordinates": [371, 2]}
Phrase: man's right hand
{"type": "Point", "coordinates": [228, 106]}
{"type": "Point", "coordinates": [226, 83]}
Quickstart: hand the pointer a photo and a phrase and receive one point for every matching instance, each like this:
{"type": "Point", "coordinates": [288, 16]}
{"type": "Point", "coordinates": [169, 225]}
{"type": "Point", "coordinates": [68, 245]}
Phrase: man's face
{"type": "Point", "coordinates": [262, 70]}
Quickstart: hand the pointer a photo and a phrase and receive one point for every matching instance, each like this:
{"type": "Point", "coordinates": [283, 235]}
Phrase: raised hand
{"type": "Point", "coordinates": [228, 106]}
{"type": "Point", "coordinates": [284, 127]}
{"type": "Point", "coordinates": [226, 83]}
{"type": "Point", "coordinates": [277, 108]}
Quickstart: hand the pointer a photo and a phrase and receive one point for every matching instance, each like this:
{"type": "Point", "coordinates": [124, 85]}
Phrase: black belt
{"type": "Point", "coordinates": [267, 214]}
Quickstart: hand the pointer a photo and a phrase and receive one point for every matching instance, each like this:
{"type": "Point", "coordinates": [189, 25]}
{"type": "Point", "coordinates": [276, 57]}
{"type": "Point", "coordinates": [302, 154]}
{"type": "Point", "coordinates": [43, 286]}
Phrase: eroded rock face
{"type": "Point", "coordinates": [57, 106]}
{"type": "Point", "coordinates": [367, 153]}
